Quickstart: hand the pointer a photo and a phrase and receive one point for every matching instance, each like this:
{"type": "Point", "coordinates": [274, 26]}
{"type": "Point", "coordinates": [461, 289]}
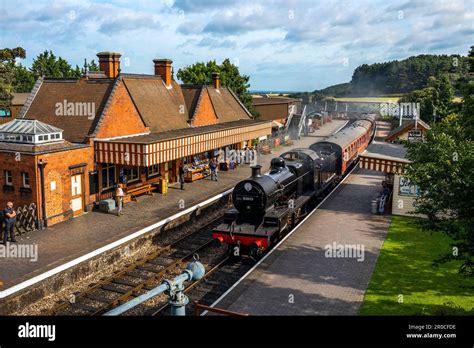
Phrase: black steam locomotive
{"type": "Point", "coordinates": [267, 206]}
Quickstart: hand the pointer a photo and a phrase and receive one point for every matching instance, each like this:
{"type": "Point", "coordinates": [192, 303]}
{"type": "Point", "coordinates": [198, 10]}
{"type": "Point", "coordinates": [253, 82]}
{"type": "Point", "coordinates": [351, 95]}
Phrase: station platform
{"type": "Point", "coordinates": [72, 239]}
{"type": "Point", "coordinates": [305, 274]}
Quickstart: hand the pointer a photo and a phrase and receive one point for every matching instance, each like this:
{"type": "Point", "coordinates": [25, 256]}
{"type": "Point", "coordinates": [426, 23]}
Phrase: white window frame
{"type": "Point", "coordinates": [8, 177]}
{"type": "Point", "coordinates": [25, 177]}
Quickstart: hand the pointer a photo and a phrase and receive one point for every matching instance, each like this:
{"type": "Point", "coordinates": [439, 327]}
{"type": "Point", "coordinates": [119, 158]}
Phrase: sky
{"type": "Point", "coordinates": [292, 45]}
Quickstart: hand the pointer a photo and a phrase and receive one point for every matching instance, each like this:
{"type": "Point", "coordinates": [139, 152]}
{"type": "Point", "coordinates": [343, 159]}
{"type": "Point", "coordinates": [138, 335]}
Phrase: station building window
{"type": "Point", "coordinates": [25, 178]}
{"type": "Point", "coordinates": [108, 176]}
{"type": "Point", "coordinates": [153, 170]}
{"type": "Point", "coordinates": [8, 178]}
{"type": "Point", "coordinates": [131, 174]}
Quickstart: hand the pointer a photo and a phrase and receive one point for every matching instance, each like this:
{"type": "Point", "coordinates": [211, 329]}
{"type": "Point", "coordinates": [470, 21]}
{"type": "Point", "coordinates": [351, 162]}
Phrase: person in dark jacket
{"type": "Point", "coordinates": [181, 176]}
{"type": "Point", "coordinates": [213, 167]}
{"type": "Point", "coordinates": [10, 218]}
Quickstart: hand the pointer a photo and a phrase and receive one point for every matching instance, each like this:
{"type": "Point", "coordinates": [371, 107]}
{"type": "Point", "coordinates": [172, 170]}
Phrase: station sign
{"type": "Point", "coordinates": [406, 188]}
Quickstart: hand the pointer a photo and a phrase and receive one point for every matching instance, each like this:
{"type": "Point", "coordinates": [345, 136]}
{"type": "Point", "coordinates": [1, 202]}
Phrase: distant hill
{"type": "Point", "coordinates": [395, 77]}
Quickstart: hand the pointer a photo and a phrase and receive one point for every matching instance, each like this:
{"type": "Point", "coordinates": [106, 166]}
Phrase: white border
{"type": "Point", "coordinates": [72, 263]}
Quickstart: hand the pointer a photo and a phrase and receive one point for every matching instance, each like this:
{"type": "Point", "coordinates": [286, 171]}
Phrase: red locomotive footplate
{"type": "Point", "coordinates": [226, 238]}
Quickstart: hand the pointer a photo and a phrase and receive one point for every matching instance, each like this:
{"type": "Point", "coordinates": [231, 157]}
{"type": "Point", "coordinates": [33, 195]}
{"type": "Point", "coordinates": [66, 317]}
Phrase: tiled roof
{"type": "Point", "coordinates": [226, 104]}
{"type": "Point", "coordinates": [53, 91]}
{"type": "Point", "coordinates": [19, 98]}
{"type": "Point", "coordinates": [161, 108]}
{"type": "Point", "coordinates": [39, 149]}
{"type": "Point", "coordinates": [192, 96]}
{"type": "Point", "coordinates": [273, 100]}
{"type": "Point", "coordinates": [405, 127]}
{"type": "Point", "coordinates": [387, 151]}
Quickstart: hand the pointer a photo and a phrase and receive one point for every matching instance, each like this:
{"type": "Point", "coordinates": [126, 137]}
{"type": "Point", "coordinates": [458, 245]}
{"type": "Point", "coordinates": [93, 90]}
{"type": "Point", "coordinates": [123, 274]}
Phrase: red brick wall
{"type": "Point", "coordinates": [57, 201]}
{"type": "Point", "coordinates": [122, 117]}
{"type": "Point", "coordinates": [205, 114]}
{"type": "Point", "coordinates": [24, 164]}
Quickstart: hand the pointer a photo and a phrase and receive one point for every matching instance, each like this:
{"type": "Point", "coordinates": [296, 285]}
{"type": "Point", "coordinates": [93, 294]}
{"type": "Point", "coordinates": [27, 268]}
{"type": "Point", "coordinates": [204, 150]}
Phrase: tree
{"type": "Point", "coordinates": [442, 167]}
{"type": "Point", "coordinates": [428, 99]}
{"type": "Point", "coordinates": [8, 58]}
{"type": "Point", "coordinates": [436, 99]}
{"type": "Point", "coordinates": [47, 64]}
{"type": "Point", "coordinates": [201, 74]}
{"type": "Point", "coordinates": [23, 79]}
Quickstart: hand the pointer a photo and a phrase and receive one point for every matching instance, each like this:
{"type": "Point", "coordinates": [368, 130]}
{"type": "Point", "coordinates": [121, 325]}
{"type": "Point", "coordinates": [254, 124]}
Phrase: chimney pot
{"type": "Point", "coordinates": [216, 81]}
{"type": "Point", "coordinates": [163, 69]}
{"type": "Point", "coordinates": [109, 63]}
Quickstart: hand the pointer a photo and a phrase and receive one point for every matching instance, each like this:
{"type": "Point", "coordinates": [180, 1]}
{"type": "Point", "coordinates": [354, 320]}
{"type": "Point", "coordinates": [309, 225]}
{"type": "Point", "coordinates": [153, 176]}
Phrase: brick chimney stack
{"type": "Point", "coordinates": [109, 63]}
{"type": "Point", "coordinates": [216, 81]}
{"type": "Point", "coordinates": [163, 68]}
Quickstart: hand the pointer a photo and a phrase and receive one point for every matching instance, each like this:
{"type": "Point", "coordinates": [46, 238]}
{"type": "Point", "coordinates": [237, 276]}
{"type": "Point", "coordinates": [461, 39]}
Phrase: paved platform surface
{"type": "Point", "coordinates": [71, 239]}
{"type": "Point", "coordinates": [299, 278]}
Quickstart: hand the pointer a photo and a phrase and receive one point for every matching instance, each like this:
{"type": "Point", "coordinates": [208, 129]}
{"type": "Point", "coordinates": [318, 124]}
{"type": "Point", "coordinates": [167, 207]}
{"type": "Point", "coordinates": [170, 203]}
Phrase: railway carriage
{"type": "Point", "coordinates": [268, 205]}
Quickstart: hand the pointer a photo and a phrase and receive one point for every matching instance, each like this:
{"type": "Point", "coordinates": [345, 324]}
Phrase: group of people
{"type": "Point", "coordinates": [235, 160]}
{"type": "Point", "coordinates": [9, 217]}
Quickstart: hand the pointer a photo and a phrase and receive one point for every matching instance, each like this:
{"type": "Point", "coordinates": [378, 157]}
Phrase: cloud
{"type": "Point", "coordinates": [200, 6]}
{"type": "Point", "coordinates": [273, 39]}
{"type": "Point", "coordinates": [128, 23]}
{"type": "Point", "coordinates": [215, 43]}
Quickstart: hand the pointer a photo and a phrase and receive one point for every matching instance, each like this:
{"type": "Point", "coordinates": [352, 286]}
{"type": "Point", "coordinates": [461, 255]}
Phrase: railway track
{"type": "Point", "coordinates": [167, 262]}
{"type": "Point", "coordinates": [144, 274]}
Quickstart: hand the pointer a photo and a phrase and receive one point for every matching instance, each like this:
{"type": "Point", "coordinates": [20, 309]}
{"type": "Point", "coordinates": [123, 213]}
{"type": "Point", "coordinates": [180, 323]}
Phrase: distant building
{"type": "Point", "coordinates": [75, 139]}
{"type": "Point", "coordinates": [409, 131]}
{"type": "Point", "coordinates": [19, 99]}
{"type": "Point", "coordinates": [390, 158]}
{"type": "Point", "coordinates": [275, 108]}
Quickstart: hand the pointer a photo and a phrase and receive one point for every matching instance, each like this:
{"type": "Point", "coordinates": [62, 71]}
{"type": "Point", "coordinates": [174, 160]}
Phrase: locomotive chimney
{"type": "Point", "coordinates": [256, 170]}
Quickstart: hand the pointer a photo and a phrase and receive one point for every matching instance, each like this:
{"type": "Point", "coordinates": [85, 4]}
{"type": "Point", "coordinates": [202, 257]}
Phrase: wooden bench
{"type": "Point", "coordinates": [139, 190]}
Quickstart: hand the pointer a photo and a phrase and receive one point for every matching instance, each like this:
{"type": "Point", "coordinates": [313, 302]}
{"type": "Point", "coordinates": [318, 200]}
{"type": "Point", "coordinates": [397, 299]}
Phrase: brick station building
{"type": "Point", "coordinates": [75, 139]}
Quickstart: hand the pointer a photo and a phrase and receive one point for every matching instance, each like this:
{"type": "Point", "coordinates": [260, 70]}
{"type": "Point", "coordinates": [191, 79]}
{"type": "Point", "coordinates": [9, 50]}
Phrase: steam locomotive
{"type": "Point", "coordinates": [267, 206]}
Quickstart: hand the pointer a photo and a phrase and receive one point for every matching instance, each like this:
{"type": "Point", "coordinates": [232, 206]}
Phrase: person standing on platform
{"type": "Point", "coordinates": [239, 157]}
{"type": "Point", "coordinates": [181, 175]}
{"type": "Point", "coordinates": [247, 155]}
{"type": "Point", "coordinates": [213, 167]}
{"type": "Point", "coordinates": [10, 219]}
{"type": "Point", "coordinates": [232, 164]}
{"type": "Point", "coordinates": [119, 199]}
